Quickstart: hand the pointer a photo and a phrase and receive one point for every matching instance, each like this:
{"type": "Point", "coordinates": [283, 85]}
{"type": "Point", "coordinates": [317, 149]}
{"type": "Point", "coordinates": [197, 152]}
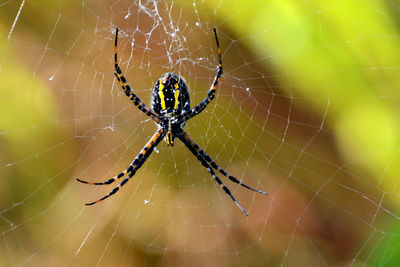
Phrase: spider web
{"type": "Point", "coordinates": [314, 123]}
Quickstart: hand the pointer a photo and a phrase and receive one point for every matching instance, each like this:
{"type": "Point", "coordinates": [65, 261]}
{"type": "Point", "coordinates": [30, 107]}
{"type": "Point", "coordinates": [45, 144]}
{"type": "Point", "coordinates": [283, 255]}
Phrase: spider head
{"type": "Point", "coordinates": [170, 95]}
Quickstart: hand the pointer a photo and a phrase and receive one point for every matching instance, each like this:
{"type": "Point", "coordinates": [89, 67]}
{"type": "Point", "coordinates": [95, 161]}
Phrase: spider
{"type": "Point", "coordinates": [170, 110]}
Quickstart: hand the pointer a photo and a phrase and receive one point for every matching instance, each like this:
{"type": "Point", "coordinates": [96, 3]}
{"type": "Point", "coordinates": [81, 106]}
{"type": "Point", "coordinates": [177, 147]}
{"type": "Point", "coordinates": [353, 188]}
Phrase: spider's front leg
{"type": "Point", "coordinates": [211, 93]}
{"type": "Point", "coordinates": [135, 165]}
{"type": "Point", "coordinates": [126, 87]}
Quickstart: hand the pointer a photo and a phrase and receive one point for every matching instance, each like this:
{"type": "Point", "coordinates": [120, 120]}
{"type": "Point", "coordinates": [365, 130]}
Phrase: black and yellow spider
{"type": "Point", "coordinates": [170, 110]}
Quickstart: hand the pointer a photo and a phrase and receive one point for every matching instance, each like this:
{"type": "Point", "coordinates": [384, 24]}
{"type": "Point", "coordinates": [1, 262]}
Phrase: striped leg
{"type": "Point", "coordinates": [116, 177]}
{"type": "Point", "coordinates": [126, 87]}
{"type": "Point", "coordinates": [211, 93]}
{"type": "Point", "coordinates": [214, 165]}
{"type": "Point", "coordinates": [205, 164]}
{"type": "Point", "coordinates": [136, 164]}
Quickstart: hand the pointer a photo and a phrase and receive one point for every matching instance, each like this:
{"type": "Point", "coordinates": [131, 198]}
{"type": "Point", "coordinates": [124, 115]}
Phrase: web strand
{"type": "Point", "coordinates": [299, 86]}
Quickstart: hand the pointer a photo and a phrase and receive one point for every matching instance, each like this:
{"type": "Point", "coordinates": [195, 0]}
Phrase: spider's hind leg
{"type": "Point", "coordinates": [214, 165]}
{"type": "Point", "coordinates": [205, 164]}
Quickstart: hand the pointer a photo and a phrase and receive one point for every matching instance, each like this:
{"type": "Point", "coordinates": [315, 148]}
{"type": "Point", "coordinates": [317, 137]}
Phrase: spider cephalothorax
{"type": "Point", "coordinates": [170, 110]}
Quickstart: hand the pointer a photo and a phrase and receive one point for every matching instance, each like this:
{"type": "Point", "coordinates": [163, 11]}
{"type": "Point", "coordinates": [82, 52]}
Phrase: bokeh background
{"type": "Point", "coordinates": [307, 109]}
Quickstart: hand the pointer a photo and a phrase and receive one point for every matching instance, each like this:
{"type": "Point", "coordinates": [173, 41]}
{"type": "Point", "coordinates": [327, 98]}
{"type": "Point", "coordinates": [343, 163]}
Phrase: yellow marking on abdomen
{"type": "Point", "coordinates": [176, 98]}
{"type": "Point", "coordinates": [161, 94]}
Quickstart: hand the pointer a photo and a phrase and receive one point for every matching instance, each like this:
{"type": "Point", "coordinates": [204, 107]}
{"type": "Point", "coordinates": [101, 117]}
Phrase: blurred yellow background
{"type": "Point", "coordinates": [307, 110]}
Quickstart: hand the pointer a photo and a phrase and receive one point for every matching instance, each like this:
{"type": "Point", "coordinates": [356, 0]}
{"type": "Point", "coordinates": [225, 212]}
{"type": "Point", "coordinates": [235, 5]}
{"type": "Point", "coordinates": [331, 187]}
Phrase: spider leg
{"type": "Point", "coordinates": [213, 164]}
{"type": "Point", "coordinates": [111, 180]}
{"type": "Point", "coordinates": [205, 164]}
{"type": "Point", "coordinates": [118, 176]}
{"type": "Point", "coordinates": [136, 164]}
{"type": "Point", "coordinates": [211, 93]}
{"type": "Point", "coordinates": [126, 87]}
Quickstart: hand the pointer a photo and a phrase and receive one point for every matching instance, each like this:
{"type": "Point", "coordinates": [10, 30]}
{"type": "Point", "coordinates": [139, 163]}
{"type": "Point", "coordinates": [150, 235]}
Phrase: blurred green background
{"type": "Point", "coordinates": [307, 109]}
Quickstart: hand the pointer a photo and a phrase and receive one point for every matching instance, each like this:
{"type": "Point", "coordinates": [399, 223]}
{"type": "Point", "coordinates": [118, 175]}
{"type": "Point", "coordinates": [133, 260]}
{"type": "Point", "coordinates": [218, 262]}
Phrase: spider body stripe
{"type": "Point", "coordinates": [170, 110]}
{"type": "Point", "coordinates": [176, 97]}
{"type": "Point", "coordinates": [162, 97]}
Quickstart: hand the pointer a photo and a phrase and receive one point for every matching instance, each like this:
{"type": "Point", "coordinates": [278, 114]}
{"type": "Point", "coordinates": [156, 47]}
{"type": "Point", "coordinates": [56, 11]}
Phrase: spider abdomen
{"type": "Point", "coordinates": [170, 95]}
